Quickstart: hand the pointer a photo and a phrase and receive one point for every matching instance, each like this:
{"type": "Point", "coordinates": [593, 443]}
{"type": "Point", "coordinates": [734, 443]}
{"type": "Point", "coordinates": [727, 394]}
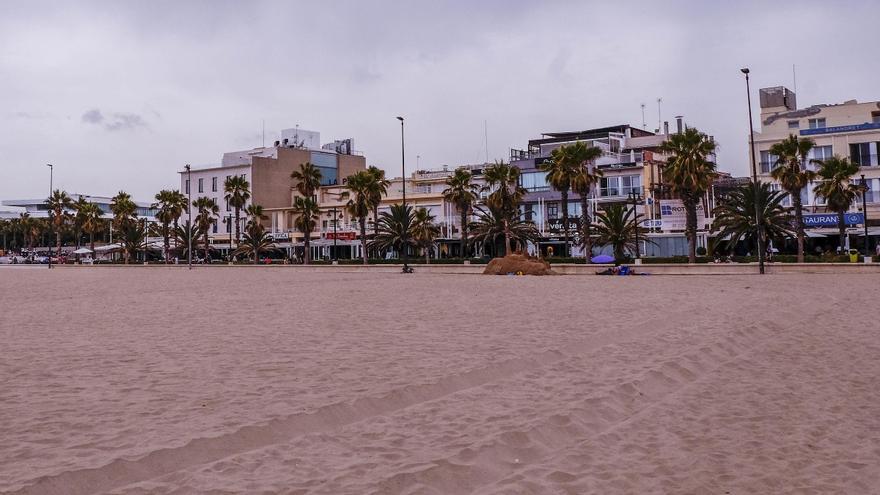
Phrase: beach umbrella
{"type": "Point", "coordinates": [602, 258]}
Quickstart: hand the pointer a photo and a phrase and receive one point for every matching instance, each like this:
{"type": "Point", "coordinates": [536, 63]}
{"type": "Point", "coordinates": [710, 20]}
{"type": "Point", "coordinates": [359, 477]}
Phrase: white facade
{"type": "Point", "coordinates": [208, 182]}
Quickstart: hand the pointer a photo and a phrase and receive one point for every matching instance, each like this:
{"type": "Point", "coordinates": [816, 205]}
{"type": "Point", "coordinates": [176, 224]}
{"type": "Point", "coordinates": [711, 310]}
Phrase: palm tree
{"type": "Point", "coordinates": [124, 217]}
{"type": "Point", "coordinates": [255, 215]}
{"type": "Point", "coordinates": [561, 169]}
{"type": "Point", "coordinates": [308, 179]}
{"type": "Point", "coordinates": [29, 228]}
{"type": "Point", "coordinates": [461, 192]}
{"type": "Point", "coordinates": [395, 228]}
{"type": "Point", "coordinates": [359, 186]}
{"type": "Point", "coordinates": [255, 240]}
{"type": "Point", "coordinates": [617, 227]}
{"type": "Point", "coordinates": [179, 204]}
{"type": "Point", "coordinates": [238, 192]}
{"type": "Point", "coordinates": [735, 217]}
{"type": "Point", "coordinates": [207, 217]}
{"type": "Point", "coordinates": [502, 180]}
{"type": "Point", "coordinates": [494, 223]}
{"type": "Point", "coordinates": [167, 212]}
{"type": "Point", "coordinates": [79, 217]}
{"type": "Point", "coordinates": [59, 204]}
{"type": "Point", "coordinates": [306, 210]}
{"type": "Point", "coordinates": [424, 231]}
{"type": "Point", "coordinates": [133, 238]}
{"type": "Point", "coordinates": [838, 189]}
{"type": "Point", "coordinates": [93, 221]}
{"type": "Point", "coordinates": [689, 173]}
{"type": "Point", "coordinates": [378, 189]}
{"type": "Point", "coordinates": [792, 174]}
{"type": "Point", "coordinates": [582, 183]}
{"type": "Point", "coordinates": [186, 235]}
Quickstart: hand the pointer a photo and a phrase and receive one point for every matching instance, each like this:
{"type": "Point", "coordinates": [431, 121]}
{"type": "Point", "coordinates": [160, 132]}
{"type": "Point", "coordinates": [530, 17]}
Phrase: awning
{"type": "Point", "coordinates": [83, 251]}
{"type": "Point", "coordinates": [861, 233]}
{"type": "Point", "coordinates": [813, 234]}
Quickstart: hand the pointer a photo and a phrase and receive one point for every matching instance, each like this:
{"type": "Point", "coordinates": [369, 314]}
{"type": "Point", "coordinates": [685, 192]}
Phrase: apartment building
{"type": "Point", "coordinates": [268, 170]}
{"type": "Point", "coordinates": [849, 129]}
{"type": "Point", "coordinates": [630, 164]}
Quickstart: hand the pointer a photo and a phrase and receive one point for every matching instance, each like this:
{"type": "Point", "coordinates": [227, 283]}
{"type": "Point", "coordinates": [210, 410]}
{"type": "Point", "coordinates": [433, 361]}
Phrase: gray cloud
{"type": "Point", "coordinates": [116, 121]}
{"type": "Point", "coordinates": [125, 121]}
{"type": "Point", "coordinates": [93, 116]}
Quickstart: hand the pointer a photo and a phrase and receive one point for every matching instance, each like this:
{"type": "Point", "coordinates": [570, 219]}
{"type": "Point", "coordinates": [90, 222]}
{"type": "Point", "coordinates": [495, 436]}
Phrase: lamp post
{"type": "Point", "coordinates": [759, 221]}
{"type": "Point", "coordinates": [863, 184]}
{"type": "Point", "coordinates": [51, 173]}
{"type": "Point", "coordinates": [406, 268]}
{"type": "Point", "coordinates": [189, 256]}
{"type": "Point", "coordinates": [636, 197]}
{"type": "Point", "coordinates": [228, 220]}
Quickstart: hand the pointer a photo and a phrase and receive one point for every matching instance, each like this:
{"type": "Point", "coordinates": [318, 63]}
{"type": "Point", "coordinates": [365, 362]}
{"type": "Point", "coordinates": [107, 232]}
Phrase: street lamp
{"type": "Point", "coordinates": [758, 214]}
{"type": "Point", "coordinates": [51, 173]}
{"type": "Point", "coordinates": [636, 197]}
{"type": "Point", "coordinates": [863, 185]}
{"type": "Point", "coordinates": [406, 268]}
{"type": "Point", "coordinates": [189, 256]}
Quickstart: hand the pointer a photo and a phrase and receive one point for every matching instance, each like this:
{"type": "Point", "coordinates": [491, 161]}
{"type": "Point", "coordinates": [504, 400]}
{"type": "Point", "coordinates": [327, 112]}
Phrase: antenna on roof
{"type": "Point", "coordinates": [794, 78]}
{"type": "Point", "coordinates": [659, 115]}
{"type": "Point", "coordinates": [264, 133]}
{"type": "Point", "coordinates": [486, 133]}
{"type": "Point", "coordinates": [644, 125]}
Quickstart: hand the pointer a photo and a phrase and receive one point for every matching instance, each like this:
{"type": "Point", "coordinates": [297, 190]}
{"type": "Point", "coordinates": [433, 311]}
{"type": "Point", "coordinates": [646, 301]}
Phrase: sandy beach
{"type": "Point", "coordinates": [276, 380]}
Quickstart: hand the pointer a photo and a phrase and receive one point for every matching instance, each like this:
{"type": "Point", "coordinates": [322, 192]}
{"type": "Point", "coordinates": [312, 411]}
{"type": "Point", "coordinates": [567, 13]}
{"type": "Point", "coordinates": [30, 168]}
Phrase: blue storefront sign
{"type": "Point", "coordinates": [867, 126]}
{"type": "Point", "coordinates": [830, 219]}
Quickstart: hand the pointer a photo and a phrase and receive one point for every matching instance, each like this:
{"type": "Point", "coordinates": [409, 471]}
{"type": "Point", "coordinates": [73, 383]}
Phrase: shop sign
{"type": "Point", "coordinates": [674, 216]}
{"type": "Point", "coordinates": [830, 219]}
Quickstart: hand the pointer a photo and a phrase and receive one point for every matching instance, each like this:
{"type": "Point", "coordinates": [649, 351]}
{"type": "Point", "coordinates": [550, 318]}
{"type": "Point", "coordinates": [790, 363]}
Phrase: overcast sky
{"type": "Point", "coordinates": [119, 95]}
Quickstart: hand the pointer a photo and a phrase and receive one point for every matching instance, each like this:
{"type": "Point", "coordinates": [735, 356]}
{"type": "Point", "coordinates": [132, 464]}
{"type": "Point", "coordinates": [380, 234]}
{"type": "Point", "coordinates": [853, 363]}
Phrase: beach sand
{"type": "Point", "coordinates": [278, 380]}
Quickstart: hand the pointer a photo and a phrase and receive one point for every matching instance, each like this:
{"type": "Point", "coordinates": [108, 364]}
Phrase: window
{"type": "Point", "coordinates": [794, 124]}
{"type": "Point", "coordinates": [787, 199]}
{"type": "Point", "coordinates": [817, 123]}
{"type": "Point", "coordinates": [630, 184]}
{"type": "Point", "coordinates": [574, 209]}
{"type": "Point", "coordinates": [228, 227]}
{"type": "Point", "coordinates": [875, 117]}
{"type": "Point", "coordinates": [213, 184]}
{"type": "Point", "coordinates": [228, 208]}
{"type": "Point", "coordinates": [864, 154]}
{"type": "Point", "coordinates": [201, 185]}
{"type": "Point", "coordinates": [768, 162]}
{"type": "Point", "coordinates": [534, 181]}
{"type": "Point", "coordinates": [215, 227]}
{"type": "Point", "coordinates": [609, 186]}
{"type": "Point", "coordinates": [552, 211]}
{"type": "Point", "coordinates": [819, 153]}
{"type": "Point", "coordinates": [187, 186]}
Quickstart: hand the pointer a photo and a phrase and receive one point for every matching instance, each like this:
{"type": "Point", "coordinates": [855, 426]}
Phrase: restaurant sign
{"type": "Point", "coordinates": [830, 219]}
{"type": "Point", "coordinates": [554, 225]}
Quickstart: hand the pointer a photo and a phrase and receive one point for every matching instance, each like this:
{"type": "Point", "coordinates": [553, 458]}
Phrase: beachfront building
{"type": "Point", "coordinates": [849, 129]}
{"type": "Point", "coordinates": [268, 170]}
{"type": "Point", "coordinates": [37, 208]}
{"type": "Point", "coordinates": [630, 163]}
{"type": "Point", "coordinates": [337, 234]}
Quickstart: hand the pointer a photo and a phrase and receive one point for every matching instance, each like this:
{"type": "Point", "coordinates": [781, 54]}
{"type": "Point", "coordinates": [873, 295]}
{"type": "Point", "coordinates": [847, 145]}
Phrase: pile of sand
{"type": "Point", "coordinates": [518, 264]}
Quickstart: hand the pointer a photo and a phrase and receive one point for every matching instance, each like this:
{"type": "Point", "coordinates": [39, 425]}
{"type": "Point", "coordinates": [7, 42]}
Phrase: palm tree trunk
{"type": "Point", "coordinates": [427, 255]}
{"type": "Point", "coordinates": [364, 239]}
{"type": "Point", "coordinates": [377, 253]}
{"type": "Point", "coordinates": [307, 252]}
{"type": "Point", "coordinates": [799, 224]}
{"type": "Point", "coordinates": [237, 218]}
{"type": "Point", "coordinates": [206, 246]}
{"type": "Point", "coordinates": [167, 241]}
{"type": "Point", "coordinates": [92, 242]}
{"type": "Point", "coordinates": [256, 256]}
{"type": "Point", "coordinates": [841, 227]}
{"type": "Point", "coordinates": [585, 227]}
{"type": "Point", "coordinates": [564, 196]}
{"type": "Point", "coordinates": [464, 243]}
{"type": "Point", "coordinates": [507, 244]}
{"type": "Point", "coordinates": [690, 204]}
{"type": "Point", "coordinates": [58, 241]}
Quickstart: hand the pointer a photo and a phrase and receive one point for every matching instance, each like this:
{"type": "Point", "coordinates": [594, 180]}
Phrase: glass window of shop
{"type": "Point", "coordinates": [768, 162]}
